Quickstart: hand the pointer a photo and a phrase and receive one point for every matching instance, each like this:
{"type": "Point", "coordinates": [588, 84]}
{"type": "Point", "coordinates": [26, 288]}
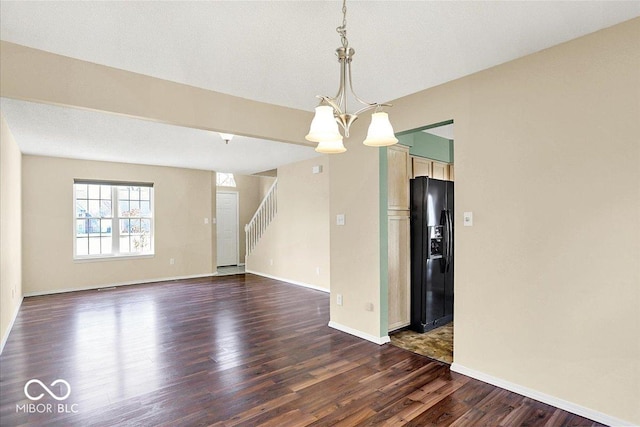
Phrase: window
{"type": "Point", "coordinates": [112, 219]}
{"type": "Point", "coordinates": [225, 179]}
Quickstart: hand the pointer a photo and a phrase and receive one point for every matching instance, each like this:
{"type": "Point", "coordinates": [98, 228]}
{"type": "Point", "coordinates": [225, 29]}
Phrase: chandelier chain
{"type": "Point", "coordinates": [342, 30]}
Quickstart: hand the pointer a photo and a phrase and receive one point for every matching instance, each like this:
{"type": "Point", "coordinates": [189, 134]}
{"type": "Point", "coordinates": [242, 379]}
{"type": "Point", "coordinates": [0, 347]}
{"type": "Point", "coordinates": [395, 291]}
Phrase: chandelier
{"type": "Point", "coordinates": [333, 110]}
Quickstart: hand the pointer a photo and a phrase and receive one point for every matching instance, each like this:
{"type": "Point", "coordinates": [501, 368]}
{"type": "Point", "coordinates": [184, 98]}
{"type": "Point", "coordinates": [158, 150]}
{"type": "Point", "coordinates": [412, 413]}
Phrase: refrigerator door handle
{"type": "Point", "coordinates": [449, 239]}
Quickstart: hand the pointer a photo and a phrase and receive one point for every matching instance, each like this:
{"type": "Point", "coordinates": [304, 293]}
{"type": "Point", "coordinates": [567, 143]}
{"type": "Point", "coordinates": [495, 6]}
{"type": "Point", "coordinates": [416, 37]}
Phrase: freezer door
{"type": "Point", "coordinates": [434, 287]}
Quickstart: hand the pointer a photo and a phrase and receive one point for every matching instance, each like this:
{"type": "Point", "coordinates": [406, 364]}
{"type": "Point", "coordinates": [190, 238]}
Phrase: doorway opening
{"type": "Point", "coordinates": [424, 273]}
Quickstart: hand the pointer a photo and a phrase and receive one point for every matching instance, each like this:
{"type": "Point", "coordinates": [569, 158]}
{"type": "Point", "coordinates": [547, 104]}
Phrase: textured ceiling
{"type": "Point", "coordinates": [282, 52]}
{"type": "Point", "coordinates": [49, 130]}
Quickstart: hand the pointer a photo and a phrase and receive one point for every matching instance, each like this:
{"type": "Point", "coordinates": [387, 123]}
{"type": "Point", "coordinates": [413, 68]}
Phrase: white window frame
{"type": "Point", "coordinates": [115, 222]}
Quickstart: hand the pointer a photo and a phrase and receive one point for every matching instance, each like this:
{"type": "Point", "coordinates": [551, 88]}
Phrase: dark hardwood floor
{"type": "Point", "coordinates": [227, 351]}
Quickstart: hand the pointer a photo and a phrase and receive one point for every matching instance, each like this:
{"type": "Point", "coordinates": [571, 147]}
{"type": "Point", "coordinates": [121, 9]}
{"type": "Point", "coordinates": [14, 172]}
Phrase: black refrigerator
{"type": "Point", "coordinates": [431, 253]}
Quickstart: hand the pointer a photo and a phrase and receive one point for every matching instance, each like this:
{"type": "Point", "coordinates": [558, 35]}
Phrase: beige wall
{"type": "Point", "coordinates": [10, 230]}
{"type": "Point", "coordinates": [182, 201]}
{"type": "Point", "coordinates": [248, 188]}
{"type": "Point", "coordinates": [355, 247]}
{"type": "Point", "coordinates": [297, 241]}
{"type": "Point", "coordinates": [547, 284]}
{"type": "Point", "coordinates": [265, 185]}
{"type": "Point", "coordinates": [35, 75]}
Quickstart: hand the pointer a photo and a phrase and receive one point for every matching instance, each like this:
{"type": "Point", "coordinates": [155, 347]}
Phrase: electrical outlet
{"type": "Point", "coordinates": [172, 261]}
{"type": "Point", "coordinates": [271, 261]}
{"type": "Point", "coordinates": [339, 299]}
{"type": "Point", "coordinates": [206, 220]}
{"type": "Point", "coordinates": [340, 220]}
{"type": "Point", "coordinates": [318, 271]}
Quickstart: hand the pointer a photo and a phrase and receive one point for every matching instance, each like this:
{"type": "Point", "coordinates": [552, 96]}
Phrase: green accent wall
{"type": "Point", "coordinates": [427, 145]}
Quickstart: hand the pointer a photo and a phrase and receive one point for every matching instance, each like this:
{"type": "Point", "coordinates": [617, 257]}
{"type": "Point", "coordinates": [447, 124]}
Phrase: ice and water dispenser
{"type": "Point", "coordinates": [436, 245]}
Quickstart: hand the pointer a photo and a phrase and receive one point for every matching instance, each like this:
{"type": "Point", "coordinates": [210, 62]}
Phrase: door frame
{"type": "Point", "coordinates": [237, 196]}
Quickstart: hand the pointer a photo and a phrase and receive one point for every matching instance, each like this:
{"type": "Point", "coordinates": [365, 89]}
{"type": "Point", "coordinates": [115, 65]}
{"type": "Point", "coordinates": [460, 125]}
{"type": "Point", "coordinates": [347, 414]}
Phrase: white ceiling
{"type": "Point", "coordinates": [445, 131]}
{"type": "Point", "coordinates": [49, 130]}
{"type": "Point", "coordinates": [282, 52]}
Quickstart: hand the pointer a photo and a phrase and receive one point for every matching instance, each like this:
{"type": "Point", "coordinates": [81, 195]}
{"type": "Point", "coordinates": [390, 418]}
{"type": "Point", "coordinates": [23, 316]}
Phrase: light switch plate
{"type": "Point", "coordinates": [467, 219]}
{"type": "Point", "coordinates": [340, 219]}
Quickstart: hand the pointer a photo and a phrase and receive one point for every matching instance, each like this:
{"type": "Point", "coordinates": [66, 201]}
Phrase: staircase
{"type": "Point", "coordinates": [265, 213]}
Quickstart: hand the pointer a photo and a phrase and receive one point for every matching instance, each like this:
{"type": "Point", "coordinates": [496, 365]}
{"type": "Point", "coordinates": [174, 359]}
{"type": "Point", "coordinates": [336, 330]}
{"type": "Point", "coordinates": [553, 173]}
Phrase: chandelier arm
{"type": "Point", "coordinates": [332, 103]}
{"type": "Point", "coordinates": [353, 92]}
{"type": "Point", "coordinates": [370, 107]}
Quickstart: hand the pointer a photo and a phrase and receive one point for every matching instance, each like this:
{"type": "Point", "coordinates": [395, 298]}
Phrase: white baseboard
{"type": "Point", "coordinates": [112, 285]}
{"type": "Point", "coordinates": [293, 282]}
{"type": "Point", "coordinates": [360, 334]}
{"type": "Point", "coordinates": [542, 397]}
{"type": "Point", "coordinates": [13, 319]}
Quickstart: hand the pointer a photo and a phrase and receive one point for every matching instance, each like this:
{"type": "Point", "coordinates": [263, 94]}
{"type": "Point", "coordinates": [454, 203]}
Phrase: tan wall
{"type": "Point", "coordinates": [248, 189]}
{"type": "Point", "coordinates": [355, 247]}
{"type": "Point", "coordinates": [547, 154]}
{"type": "Point", "coordinates": [265, 185]}
{"type": "Point", "coordinates": [35, 75]}
{"type": "Point", "coordinates": [298, 239]}
{"type": "Point", "coordinates": [10, 229]}
{"type": "Point", "coordinates": [182, 201]}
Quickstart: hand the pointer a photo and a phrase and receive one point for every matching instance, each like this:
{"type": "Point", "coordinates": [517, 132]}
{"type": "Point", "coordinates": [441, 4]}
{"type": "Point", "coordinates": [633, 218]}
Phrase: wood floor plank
{"type": "Point", "coordinates": [236, 350]}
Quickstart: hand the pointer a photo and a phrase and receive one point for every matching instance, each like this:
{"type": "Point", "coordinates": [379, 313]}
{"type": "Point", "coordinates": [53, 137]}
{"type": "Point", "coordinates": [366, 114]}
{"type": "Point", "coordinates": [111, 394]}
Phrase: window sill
{"type": "Point", "coordinates": [101, 258]}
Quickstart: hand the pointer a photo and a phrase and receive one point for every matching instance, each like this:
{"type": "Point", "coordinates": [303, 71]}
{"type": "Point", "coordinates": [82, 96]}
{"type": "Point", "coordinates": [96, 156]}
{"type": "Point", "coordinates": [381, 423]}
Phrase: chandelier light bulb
{"type": "Point", "coordinates": [331, 147]}
{"type": "Point", "coordinates": [380, 132]}
{"type": "Point", "coordinates": [323, 126]}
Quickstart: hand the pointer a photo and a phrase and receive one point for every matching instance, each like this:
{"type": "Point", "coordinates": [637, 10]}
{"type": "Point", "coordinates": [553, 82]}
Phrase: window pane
{"type": "Point", "coordinates": [94, 209]}
{"type": "Point", "coordinates": [81, 208]}
{"type": "Point", "coordinates": [139, 243]}
{"type": "Point", "coordinates": [134, 207]}
{"type": "Point", "coordinates": [124, 244]}
{"type": "Point", "coordinates": [105, 208]}
{"type": "Point", "coordinates": [145, 225]}
{"type": "Point", "coordinates": [145, 209]}
{"type": "Point", "coordinates": [82, 246]}
{"type": "Point", "coordinates": [105, 226]}
{"type": "Point", "coordinates": [94, 245]}
{"type": "Point", "coordinates": [81, 191]}
{"type": "Point", "coordinates": [124, 208]}
{"type": "Point", "coordinates": [123, 193]}
{"type": "Point", "coordinates": [81, 226]}
{"type": "Point", "coordinates": [124, 226]}
{"type": "Point", "coordinates": [94, 191]}
{"type": "Point", "coordinates": [145, 193]}
{"type": "Point", "coordinates": [225, 179]}
{"type": "Point", "coordinates": [105, 192]}
{"type": "Point", "coordinates": [94, 226]}
{"type": "Point", "coordinates": [105, 243]}
{"type": "Point", "coordinates": [134, 193]}
{"type": "Point", "coordinates": [135, 226]}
